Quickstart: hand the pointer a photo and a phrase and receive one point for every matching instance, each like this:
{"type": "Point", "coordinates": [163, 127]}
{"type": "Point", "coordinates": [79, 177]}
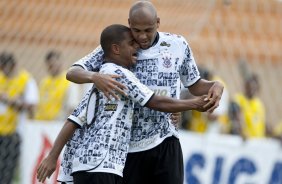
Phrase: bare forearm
{"type": "Point", "coordinates": [78, 75]}
{"type": "Point", "coordinates": [166, 104]}
{"type": "Point", "coordinates": [64, 135]}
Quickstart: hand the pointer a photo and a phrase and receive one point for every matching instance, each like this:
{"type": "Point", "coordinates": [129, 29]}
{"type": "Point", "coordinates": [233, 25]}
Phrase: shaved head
{"type": "Point", "coordinates": [144, 22]}
{"type": "Point", "coordinates": [141, 9]}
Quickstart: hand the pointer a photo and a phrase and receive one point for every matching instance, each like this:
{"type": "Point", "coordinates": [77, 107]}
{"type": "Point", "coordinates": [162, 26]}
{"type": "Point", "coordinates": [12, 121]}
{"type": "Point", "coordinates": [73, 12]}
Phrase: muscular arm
{"type": "Point", "coordinates": [106, 83]}
{"type": "Point", "coordinates": [166, 104]}
{"type": "Point", "coordinates": [201, 87]}
{"type": "Point", "coordinates": [48, 165]}
{"type": "Point", "coordinates": [78, 75]}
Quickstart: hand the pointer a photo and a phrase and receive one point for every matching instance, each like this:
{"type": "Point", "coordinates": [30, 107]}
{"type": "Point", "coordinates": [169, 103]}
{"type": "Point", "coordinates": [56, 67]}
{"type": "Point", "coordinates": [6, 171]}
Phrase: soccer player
{"type": "Point", "coordinates": [155, 155]}
{"type": "Point", "coordinates": [97, 151]}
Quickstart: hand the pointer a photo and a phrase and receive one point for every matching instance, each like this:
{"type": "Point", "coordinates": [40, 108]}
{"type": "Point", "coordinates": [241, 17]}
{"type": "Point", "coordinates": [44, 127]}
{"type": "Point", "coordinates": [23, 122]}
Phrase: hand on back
{"type": "Point", "coordinates": [109, 86]}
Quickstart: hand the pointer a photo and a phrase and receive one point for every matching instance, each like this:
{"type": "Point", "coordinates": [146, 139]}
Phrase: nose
{"type": "Point", "coordinates": [142, 36]}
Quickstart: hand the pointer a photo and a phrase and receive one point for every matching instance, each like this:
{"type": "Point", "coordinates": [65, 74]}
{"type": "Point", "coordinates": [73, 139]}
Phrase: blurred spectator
{"type": "Point", "coordinates": [18, 97]}
{"type": "Point", "coordinates": [251, 115]}
{"type": "Point", "coordinates": [234, 116]}
{"type": "Point", "coordinates": [58, 97]}
{"type": "Point", "coordinates": [216, 122]}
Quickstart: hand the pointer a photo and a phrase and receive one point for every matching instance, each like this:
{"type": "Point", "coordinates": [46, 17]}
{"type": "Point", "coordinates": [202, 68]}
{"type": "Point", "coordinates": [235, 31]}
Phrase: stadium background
{"type": "Point", "coordinates": [221, 33]}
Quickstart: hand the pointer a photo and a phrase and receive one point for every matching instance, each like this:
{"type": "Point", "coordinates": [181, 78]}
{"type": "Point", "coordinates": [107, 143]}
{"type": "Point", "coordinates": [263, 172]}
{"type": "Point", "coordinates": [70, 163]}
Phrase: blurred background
{"type": "Point", "coordinates": [231, 39]}
{"type": "Point", "coordinates": [221, 33]}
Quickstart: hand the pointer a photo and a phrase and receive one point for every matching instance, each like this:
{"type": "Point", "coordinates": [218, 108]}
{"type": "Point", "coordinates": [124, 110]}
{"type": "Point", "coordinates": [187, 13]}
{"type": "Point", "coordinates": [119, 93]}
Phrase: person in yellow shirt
{"type": "Point", "coordinates": [58, 97]}
{"type": "Point", "coordinates": [18, 98]}
{"type": "Point", "coordinates": [203, 122]}
{"type": "Point", "coordinates": [252, 111]}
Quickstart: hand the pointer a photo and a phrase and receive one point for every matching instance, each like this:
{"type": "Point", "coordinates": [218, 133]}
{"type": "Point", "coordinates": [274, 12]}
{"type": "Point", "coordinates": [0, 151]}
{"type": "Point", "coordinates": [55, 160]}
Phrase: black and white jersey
{"type": "Point", "coordinates": [162, 68]}
{"type": "Point", "coordinates": [102, 142]}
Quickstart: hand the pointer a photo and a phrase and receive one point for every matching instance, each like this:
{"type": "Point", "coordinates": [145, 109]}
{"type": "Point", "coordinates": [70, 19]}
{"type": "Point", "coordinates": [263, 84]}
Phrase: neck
{"type": "Point", "coordinates": [115, 61]}
{"type": "Point", "coordinates": [156, 39]}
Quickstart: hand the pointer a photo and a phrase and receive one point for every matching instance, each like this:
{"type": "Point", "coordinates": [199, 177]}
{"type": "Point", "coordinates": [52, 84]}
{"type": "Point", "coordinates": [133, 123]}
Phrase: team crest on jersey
{"type": "Point", "coordinates": [165, 44]}
{"type": "Point", "coordinates": [167, 59]}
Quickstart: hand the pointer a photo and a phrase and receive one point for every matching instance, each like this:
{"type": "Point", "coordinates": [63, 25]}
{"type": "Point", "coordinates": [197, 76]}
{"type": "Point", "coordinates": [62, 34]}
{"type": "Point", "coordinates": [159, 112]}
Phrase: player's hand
{"type": "Point", "coordinates": [199, 103]}
{"type": "Point", "coordinates": [214, 96]}
{"type": "Point", "coordinates": [175, 118]}
{"type": "Point", "coordinates": [46, 168]}
{"type": "Point", "coordinates": [109, 86]}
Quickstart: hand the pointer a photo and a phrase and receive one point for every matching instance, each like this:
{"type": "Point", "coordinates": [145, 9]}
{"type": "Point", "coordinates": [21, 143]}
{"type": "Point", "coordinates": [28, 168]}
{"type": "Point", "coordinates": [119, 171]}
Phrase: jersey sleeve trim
{"type": "Point", "coordinates": [145, 103]}
{"type": "Point", "coordinates": [80, 65]}
{"type": "Point", "coordinates": [75, 120]}
{"type": "Point", "coordinates": [146, 100]}
{"type": "Point", "coordinates": [193, 82]}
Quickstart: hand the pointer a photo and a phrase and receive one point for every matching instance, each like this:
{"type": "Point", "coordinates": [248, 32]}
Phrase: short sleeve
{"type": "Point", "coordinates": [80, 115]}
{"type": "Point", "coordinates": [92, 61]}
{"type": "Point", "coordinates": [31, 95]}
{"type": "Point", "coordinates": [136, 91]}
{"type": "Point", "coordinates": [189, 73]}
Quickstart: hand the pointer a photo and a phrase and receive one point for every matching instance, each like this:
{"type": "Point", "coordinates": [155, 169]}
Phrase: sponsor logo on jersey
{"type": "Point", "coordinates": [110, 107]}
{"type": "Point", "coordinates": [161, 92]}
{"type": "Point", "coordinates": [165, 44]}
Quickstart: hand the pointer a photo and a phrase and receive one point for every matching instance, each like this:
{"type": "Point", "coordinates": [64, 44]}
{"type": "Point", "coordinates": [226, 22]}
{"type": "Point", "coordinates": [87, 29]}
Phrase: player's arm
{"type": "Point", "coordinates": [190, 77]}
{"type": "Point", "coordinates": [104, 82]}
{"type": "Point", "coordinates": [141, 94]}
{"type": "Point", "coordinates": [85, 71]}
{"type": "Point", "coordinates": [167, 104]}
{"type": "Point", "coordinates": [48, 165]}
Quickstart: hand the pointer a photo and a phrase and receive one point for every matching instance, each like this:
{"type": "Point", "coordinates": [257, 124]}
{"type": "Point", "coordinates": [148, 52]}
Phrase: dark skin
{"type": "Point", "coordinates": [122, 55]}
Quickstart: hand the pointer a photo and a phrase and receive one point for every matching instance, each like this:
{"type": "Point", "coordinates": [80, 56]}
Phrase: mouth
{"type": "Point", "coordinates": [143, 42]}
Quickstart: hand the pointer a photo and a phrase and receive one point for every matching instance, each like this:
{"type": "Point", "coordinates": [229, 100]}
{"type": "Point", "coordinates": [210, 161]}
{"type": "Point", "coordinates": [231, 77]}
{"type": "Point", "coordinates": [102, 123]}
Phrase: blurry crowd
{"type": "Point", "coordinates": [242, 114]}
{"type": "Point", "coordinates": [22, 97]}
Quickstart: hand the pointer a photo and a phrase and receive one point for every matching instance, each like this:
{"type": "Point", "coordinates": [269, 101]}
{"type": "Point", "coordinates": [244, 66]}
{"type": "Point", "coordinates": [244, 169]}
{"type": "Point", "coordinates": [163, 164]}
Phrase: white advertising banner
{"type": "Point", "coordinates": [208, 159]}
{"type": "Point", "coordinates": [38, 138]}
{"type": "Point", "coordinates": [225, 159]}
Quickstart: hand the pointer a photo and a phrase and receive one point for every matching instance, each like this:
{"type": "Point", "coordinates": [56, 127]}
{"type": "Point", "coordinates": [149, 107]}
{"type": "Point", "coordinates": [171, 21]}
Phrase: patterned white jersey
{"type": "Point", "coordinates": [162, 68]}
{"type": "Point", "coordinates": [101, 145]}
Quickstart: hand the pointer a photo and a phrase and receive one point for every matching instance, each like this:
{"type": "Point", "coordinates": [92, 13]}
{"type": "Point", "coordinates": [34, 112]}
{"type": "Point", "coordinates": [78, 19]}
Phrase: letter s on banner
{"type": "Point", "coordinates": [196, 159]}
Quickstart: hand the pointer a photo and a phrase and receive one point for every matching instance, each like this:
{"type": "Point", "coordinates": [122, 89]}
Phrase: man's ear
{"type": "Point", "coordinates": [158, 22]}
{"type": "Point", "coordinates": [128, 22]}
{"type": "Point", "coordinates": [115, 49]}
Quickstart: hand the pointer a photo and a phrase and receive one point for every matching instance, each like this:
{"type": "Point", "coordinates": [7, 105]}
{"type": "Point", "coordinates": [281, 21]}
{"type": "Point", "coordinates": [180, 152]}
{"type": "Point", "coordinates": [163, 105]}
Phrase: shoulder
{"type": "Point", "coordinates": [111, 68]}
{"type": "Point", "coordinates": [164, 36]}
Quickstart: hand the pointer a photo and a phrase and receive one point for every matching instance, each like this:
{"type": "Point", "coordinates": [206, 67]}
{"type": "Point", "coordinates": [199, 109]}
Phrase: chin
{"type": "Point", "coordinates": [145, 47]}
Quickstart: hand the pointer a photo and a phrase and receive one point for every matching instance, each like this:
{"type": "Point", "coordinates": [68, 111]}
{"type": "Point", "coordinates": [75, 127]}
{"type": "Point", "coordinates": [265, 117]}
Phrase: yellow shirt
{"type": "Point", "coordinates": [253, 112]}
{"type": "Point", "coordinates": [199, 121]}
{"type": "Point", "coordinates": [53, 91]}
{"type": "Point", "coordinates": [14, 88]}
